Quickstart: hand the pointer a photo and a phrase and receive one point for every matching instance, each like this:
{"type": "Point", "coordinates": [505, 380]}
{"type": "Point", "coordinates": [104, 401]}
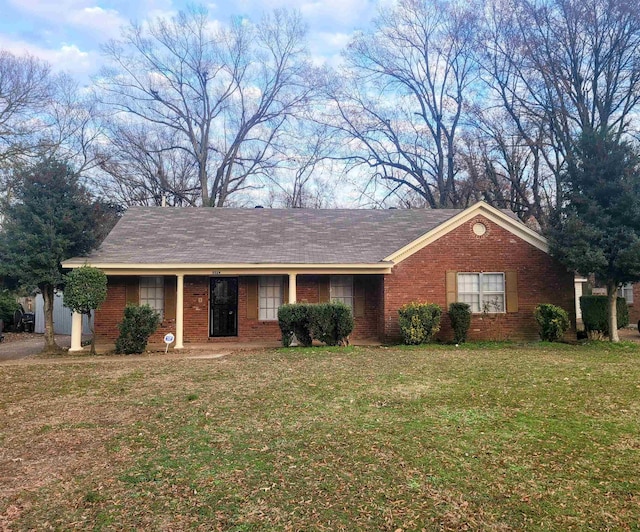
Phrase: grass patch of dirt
{"type": "Point", "coordinates": [494, 437]}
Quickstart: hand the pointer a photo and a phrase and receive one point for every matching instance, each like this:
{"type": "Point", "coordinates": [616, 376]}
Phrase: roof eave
{"type": "Point", "coordinates": [227, 268]}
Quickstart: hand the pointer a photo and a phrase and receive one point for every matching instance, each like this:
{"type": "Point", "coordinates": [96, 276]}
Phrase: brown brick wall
{"type": "Point", "coordinates": [196, 311]}
{"type": "Point", "coordinates": [421, 277]}
{"type": "Point", "coordinates": [109, 315]}
{"type": "Point", "coordinates": [110, 312]}
{"type": "Point", "coordinates": [367, 327]}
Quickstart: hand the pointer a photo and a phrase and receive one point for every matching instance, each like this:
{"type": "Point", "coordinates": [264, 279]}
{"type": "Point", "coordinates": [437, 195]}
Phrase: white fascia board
{"type": "Point", "coordinates": [231, 269]}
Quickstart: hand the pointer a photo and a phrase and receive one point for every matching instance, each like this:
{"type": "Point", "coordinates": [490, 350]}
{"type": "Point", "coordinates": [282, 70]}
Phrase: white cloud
{"type": "Point", "coordinates": [67, 58]}
{"type": "Point", "coordinates": [343, 12]}
{"type": "Point", "coordinates": [82, 14]}
{"type": "Point", "coordinates": [346, 14]}
{"type": "Point", "coordinates": [326, 47]}
{"type": "Point", "coordinates": [105, 21]}
{"type": "Point", "coordinates": [334, 40]}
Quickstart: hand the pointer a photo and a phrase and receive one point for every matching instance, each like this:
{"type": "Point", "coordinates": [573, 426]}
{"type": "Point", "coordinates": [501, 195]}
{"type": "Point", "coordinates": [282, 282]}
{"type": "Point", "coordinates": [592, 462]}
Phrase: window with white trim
{"type": "Point", "coordinates": [341, 289]}
{"type": "Point", "coordinates": [270, 293]}
{"type": "Point", "coordinates": [626, 291]}
{"type": "Point", "coordinates": [483, 292]}
{"type": "Point", "coordinates": [152, 293]}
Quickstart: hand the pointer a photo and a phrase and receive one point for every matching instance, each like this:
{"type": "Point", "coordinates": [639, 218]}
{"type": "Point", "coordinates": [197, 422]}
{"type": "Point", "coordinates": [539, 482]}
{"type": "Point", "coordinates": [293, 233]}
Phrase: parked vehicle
{"type": "Point", "coordinates": [24, 321]}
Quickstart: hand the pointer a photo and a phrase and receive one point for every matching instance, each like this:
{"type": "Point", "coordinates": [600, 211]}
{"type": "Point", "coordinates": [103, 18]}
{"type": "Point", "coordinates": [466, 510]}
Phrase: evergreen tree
{"type": "Point", "coordinates": [49, 220]}
{"type": "Point", "coordinates": [596, 227]}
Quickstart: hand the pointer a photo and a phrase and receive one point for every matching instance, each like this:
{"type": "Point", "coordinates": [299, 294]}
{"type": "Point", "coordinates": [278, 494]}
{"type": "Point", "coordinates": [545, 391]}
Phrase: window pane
{"type": "Point", "coordinates": [152, 293]}
{"type": "Point", "coordinates": [341, 289]}
{"type": "Point", "coordinates": [493, 303]}
{"type": "Point", "coordinates": [626, 291]}
{"type": "Point", "coordinates": [483, 292]}
{"type": "Point", "coordinates": [492, 282]}
{"type": "Point", "coordinates": [473, 300]}
{"type": "Point", "coordinates": [468, 282]}
{"type": "Point", "coordinates": [270, 296]}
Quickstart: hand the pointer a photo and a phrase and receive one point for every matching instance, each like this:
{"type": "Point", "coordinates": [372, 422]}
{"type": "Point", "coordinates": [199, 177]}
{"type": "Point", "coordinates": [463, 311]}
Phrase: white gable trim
{"type": "Point", "coordinates": [481, 208]}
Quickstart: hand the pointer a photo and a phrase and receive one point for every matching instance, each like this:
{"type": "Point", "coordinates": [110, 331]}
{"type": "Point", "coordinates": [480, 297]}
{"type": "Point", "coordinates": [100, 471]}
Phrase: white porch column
{"type": "Point", "coordinates": [293, 297]}
{"type": "Point", "coordinates": [76, 332]}
{"type": "Point", "coordinates": [179, 311]}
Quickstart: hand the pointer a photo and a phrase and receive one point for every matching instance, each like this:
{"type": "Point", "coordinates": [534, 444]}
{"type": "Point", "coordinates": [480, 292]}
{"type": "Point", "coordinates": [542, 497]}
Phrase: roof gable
{"type": "Point", "coordinates": [504, 220]}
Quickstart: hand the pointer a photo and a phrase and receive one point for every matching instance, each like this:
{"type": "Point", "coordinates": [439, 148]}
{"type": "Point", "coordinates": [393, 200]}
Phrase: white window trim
{"type": "Point", "coordinates": [482, 293]}
{"type": "Point", "coordinates": [346, 300]}
{"type": "Point", "coordinates": [159, 285]}
{"type": "Point", "coordinates": [262, 283]}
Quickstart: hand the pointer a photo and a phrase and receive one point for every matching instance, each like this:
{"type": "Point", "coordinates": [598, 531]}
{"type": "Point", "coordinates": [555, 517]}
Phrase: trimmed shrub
{"type": "Point", "coordinates": [595, 314]}
{"type": "Point", "coordinates": [419, 322]}
{"type": "Point", "coordinates": [331, 323]}
{"type": "Point", "coordinates": [327, 322]}
{"type": "Point", "coordinates": [553, 322]}
{"type": "Point", "coordinates": [295, 319]}
{"type": "Point", "coordinates": [138, 324]}
{"type": "Point", "coordinates": [460, 315]}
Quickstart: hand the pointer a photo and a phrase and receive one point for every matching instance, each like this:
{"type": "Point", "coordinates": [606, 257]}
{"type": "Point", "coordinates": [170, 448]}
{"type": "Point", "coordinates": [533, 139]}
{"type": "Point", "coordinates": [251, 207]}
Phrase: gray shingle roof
{"type": "Point", "coordinates": [147, 235]}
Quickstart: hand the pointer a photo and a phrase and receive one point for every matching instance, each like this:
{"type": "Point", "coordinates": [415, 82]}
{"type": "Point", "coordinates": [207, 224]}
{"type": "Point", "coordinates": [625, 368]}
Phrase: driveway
{"type": "Point", "coordinates": [23, 345]}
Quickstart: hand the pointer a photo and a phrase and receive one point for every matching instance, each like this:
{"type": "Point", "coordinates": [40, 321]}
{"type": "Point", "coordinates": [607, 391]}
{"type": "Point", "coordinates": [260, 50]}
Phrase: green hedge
{"type": "Point", "coordinates": [138, 324]}
{"type": "Point", "coordinates": [460, 316]}
{"type": "Point", "coordinates": [595, 313]}
{"type": "Point", "coordinates": [419, 322]}
{"type": "Point", "coordinates": [553, 322]}
{"type": "Point", "coordinates": [329, 323]}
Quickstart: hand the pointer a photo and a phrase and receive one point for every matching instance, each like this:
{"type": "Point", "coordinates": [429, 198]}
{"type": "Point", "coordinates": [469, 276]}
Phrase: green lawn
{"type": "Point", "coordinates": [485, 437]}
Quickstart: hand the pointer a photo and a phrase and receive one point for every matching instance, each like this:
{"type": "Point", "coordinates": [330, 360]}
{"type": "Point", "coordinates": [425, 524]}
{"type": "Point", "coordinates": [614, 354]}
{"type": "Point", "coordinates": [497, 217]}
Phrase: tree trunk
{"type": "Point", "coordinates": [50, 345]}
{"type": "Point", "coordinates": [93, 335]}
{"type": "Point", "coordinates": [612, 297]}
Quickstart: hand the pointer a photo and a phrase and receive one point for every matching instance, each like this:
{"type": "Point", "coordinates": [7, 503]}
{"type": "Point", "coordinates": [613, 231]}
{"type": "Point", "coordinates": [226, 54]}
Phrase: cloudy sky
{"type": "Point", "coordinates": [68, 33]}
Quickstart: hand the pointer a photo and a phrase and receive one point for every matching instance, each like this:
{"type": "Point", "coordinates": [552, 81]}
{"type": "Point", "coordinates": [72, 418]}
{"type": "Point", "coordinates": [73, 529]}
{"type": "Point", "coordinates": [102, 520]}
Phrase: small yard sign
{"type": "Point", "coordinates": [168, 339]}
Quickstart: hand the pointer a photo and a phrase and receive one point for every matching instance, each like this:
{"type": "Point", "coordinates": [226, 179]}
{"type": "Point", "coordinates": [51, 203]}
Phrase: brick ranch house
{"type": "Point", "coordinates": [221, 274]}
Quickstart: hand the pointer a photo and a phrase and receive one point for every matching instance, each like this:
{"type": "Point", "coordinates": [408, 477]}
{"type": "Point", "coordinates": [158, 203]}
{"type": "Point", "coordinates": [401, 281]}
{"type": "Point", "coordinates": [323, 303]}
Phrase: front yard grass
{"type": "Point", "coordinates": [494, 437]}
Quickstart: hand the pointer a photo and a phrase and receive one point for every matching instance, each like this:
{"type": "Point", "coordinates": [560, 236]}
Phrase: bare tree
{"type": "Point", "coordinates": [139, 165]}
{"type": "Point", "coordinates": [502, 166]}
{"type": "Point", "coordinates": [25, 92]}
{"type": "Point", "coordinates": [43, 116]}
{"type": "Point", "coordinates": [73, 126]}
{"type": "Point", "coordinates": [306, 175]}
{"type": "Point", "coordinates": [405, 93]}
{"type": "Point", "coordinates": [223, 92]}
{"type": "Point", "coordinates": [561, 68]}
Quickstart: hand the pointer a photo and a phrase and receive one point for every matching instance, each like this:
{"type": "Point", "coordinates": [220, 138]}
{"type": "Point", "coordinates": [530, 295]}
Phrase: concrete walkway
{"type": "Point", "coordinates": [31, 345]}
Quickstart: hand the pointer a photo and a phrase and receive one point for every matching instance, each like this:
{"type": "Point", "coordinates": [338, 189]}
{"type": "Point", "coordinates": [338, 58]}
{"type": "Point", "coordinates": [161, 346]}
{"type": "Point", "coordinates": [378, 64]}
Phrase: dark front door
{"type": "Point", "coordinates": [224, 306]}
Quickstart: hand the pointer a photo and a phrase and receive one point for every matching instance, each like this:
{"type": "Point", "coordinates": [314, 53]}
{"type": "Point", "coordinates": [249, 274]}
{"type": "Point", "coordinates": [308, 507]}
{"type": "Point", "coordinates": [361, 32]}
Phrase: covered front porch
{"type": "Point", "coordinates": [236, 305]}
